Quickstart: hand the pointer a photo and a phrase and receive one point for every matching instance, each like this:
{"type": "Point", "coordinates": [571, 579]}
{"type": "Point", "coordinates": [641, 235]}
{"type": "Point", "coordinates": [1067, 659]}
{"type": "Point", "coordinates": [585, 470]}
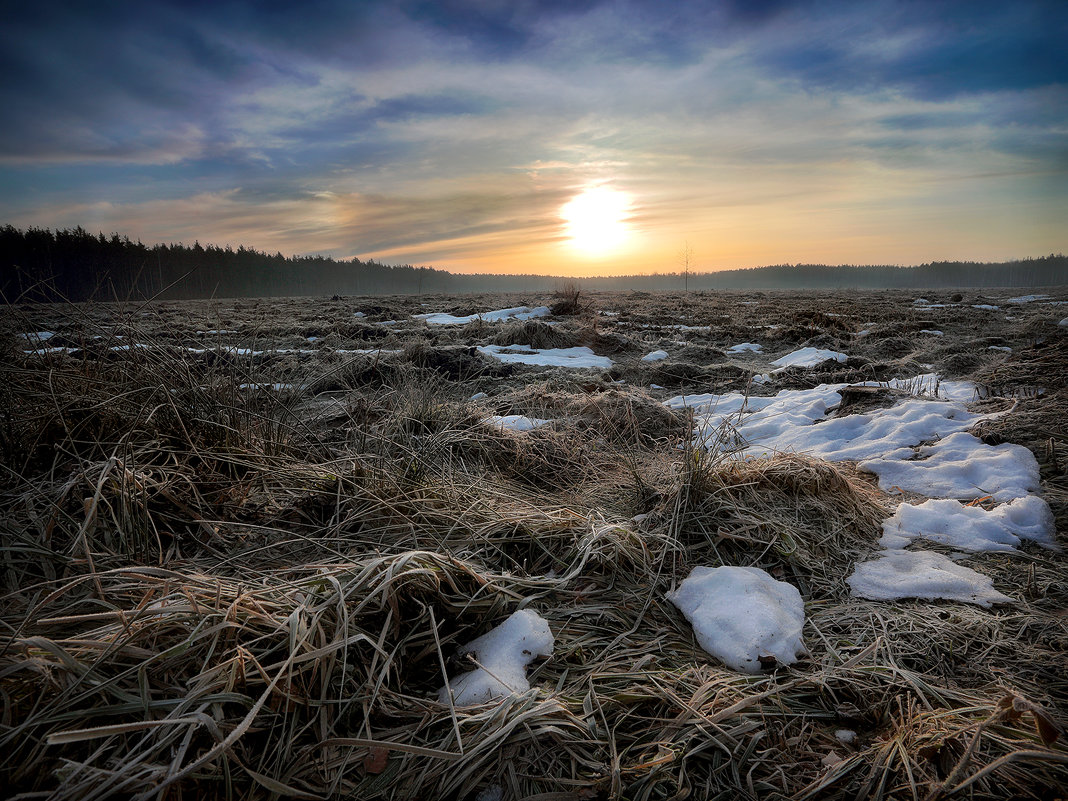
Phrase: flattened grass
{"type": "Point", "coordinates": [210, 591]}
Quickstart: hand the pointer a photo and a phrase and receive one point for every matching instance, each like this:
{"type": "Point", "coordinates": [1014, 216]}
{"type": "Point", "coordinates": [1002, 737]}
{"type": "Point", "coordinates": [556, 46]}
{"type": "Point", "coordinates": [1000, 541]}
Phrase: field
{"type": "Point", "coordinates": [245, 540]}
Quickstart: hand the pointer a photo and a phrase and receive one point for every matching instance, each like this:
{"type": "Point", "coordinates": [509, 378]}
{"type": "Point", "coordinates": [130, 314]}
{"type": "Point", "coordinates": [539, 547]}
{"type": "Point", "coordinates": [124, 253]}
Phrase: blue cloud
{"type": "Point", "coordinates": [932, 51]}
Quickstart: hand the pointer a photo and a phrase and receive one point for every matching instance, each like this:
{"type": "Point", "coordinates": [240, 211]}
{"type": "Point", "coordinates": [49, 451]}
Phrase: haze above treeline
{"type": "Point", "coordinates": [73, 265]}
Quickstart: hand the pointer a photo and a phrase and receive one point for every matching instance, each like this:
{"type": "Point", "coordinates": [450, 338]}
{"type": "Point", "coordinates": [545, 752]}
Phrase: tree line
{"type": "Point", "coordinates": [75, 265]}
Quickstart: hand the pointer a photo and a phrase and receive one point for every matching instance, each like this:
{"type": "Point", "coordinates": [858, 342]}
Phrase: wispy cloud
{"type": "Point", "coordinates": [452, 133]}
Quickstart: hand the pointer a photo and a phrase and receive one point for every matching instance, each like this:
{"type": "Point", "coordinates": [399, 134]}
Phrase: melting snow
{"type": "Point", "coordinates": [502, 654]}
{"type": "Point", "coordinates": [809, 357]}
{"type": "Point", "coordinates": [515, 313]}
{"type": "Point", "coordinates": [1027, 299]}
{"type": "Point", "coordinates": [744, 347]}
{"type": "Point", "coordinates": [655, 356]}
{"type": "Point", "coordinates": [857, 436]}
{"type": "Point", "coordinates": [934, 332]}
{"type": "Point", "coordinates": [786, 422]}
{"type": "Point", "coordinates": [740, 614]}
{"type": "Point", "coordinates": [986, 306]}
{"type": "Point", "coordinates": [38, 336]}
{"type": "Point", "coordinates": [515, 422]}
{"type": "Point", "coordinates": [922, 574]}
{"type": "Point", "coordinates": [959, 466]}
{"type": "Point", "coordinates": [971, 528]}
{"type": "Point", "coordinates": [546, 357]}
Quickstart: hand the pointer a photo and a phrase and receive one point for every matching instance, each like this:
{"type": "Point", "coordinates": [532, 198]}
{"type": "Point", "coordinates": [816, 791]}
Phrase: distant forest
{"type": "Point", "coordinates": [41, 264]}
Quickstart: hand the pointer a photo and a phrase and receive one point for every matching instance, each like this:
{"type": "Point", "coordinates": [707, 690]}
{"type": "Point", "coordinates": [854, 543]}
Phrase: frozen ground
{"type": "Point", "coordinates": [840, 490]}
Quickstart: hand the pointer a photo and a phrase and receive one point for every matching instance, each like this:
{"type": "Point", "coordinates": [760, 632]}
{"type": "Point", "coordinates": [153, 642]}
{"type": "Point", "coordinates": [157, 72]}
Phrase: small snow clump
{"type": "Point", "coordinates": [515, 422]}
{"type": "Point", "coordinates": [740, 614]}
{"type": "Point", "coordinates": [922, 574]}
{"type": "Point", "coordinates": [809, 357]}
{"type": "Point", "coordinates": [503, 654]}
{"type": "Point", "coordinates": [971, 528]}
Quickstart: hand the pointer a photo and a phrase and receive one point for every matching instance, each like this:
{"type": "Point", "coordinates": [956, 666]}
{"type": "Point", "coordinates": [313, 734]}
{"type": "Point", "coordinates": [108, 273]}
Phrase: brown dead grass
{"type": "Point", "coordinates": [250, 593]}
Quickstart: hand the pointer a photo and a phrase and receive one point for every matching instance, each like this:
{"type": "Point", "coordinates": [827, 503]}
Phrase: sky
{"type": "Point", "coordinates": [568, 137]}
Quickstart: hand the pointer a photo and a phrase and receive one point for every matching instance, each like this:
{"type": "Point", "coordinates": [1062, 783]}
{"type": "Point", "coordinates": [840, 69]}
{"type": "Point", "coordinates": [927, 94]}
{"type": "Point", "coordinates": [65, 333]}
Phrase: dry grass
{"type": "Point", "coordinates": [221, 592]}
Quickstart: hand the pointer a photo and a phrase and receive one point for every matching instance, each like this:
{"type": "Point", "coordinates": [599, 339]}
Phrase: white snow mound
{"type": "Point", "coordinates": [744, 347]}
{"type": "Point", "coordinates": [500, 315]}
{"type": "Point", "coordinates": [809, 357]}
{"type": "Point", "coordinates": [740, 614]}
{"type": "Point", "coordinates": [546, 357]}
{"type": "Point", "coordinates": [971, 528]}
{"type": "Point", "coordinates": [655, 356]}
{"type": "Point", "coordinates": [922, 574]}
{"type": "Point", "coordinates": [503, 653]}
{"type": "Point", "coordinates": [515, 422]}
{"type": "Point", "coordinates": [959, 466]}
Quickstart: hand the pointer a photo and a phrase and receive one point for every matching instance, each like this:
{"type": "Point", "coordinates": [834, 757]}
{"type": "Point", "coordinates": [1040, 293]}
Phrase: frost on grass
{"type": "Point", "coordinates": [546, 357]}
{"type": "Point", "coordinates": [741, 614]}
{"type": "Point", "coordinates": [503, 654]}
{"type": "Point", "coordinates": [809, 357]}
{"type": "Point", "coordinates": [959, 466]}
{"type": "Point", "coordinates": [971, 528]}
{"type": "Point", "coordinates": [655, 356]}
{"type": "Point", "coordinates": [515, 422]}
{"type": "Point", "coordinates": [925, 575]}
{"type": "Point", "coordinates": [500, 315]}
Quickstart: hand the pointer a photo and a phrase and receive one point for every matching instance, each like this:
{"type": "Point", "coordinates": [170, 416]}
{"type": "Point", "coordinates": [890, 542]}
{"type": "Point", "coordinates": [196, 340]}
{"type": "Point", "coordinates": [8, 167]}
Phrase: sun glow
{"type": "Point", "coordinates": [596, 220]}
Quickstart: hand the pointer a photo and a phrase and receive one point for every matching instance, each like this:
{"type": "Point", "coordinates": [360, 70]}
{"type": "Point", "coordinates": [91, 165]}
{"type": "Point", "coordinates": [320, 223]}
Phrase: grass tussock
{"type": "Point", "coordinates": [536, 334]}
{"type": "Point", "coordinates": [220, 588]}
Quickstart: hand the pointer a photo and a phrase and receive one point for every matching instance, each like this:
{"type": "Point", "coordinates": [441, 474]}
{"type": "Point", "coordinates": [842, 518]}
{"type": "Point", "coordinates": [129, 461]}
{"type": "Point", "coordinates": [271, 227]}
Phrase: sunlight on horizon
{"type": "Point", "coordinates": [596, 221]}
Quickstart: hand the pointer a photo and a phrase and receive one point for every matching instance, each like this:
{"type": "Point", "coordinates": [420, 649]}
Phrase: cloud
{"type": "Point", "coordinates": [439, 130]}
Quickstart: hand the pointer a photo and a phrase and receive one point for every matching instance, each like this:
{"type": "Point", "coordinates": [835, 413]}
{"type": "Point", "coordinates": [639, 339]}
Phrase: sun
{"type": "Point", "coordinates": [596, 220]}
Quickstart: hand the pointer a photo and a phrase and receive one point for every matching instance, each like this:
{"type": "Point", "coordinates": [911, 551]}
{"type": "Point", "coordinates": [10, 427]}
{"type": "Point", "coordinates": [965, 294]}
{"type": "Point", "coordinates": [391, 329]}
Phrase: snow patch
{"type": "Point", "coordinates": [740, 614]}
{"type": "Point", "coordinates": [546, 357]}
{"type": "Point", "coordinates": [922, 574]}
{"type": "Point", "coordinates": [500, 315]}
{"type": "Point", "coordinates": [502, 654]}
{"type": "Point", "coordinates": [1027, 299]}
{"type": "Point", "coordinates": [655, 356]}
{"type": "Point", "coordinates": [971, 528]}
{"type": "Point", "coordinates": [744, 347]}
{"type": "Point", "coordinates": [809, 357]}
{"type": "Point", "coordinates": [38, 336]}
{"type": "Point", "coordinates": [515, 422]}
{"type": "Point", "coordinates": [959, 466]}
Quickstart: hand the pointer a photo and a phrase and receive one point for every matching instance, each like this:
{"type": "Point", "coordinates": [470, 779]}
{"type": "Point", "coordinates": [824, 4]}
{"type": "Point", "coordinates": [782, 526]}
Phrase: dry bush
{"type": "Point", "coordinates": [627, 417]}
{"type": "Point", "coordinates": [568, 301]}
{"type": "Point", "coordinates": [536, 334]}
{"type": "Point", "coordinates": [810, 516]}
{"type": "Point", "coordinates": [457, 362]}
